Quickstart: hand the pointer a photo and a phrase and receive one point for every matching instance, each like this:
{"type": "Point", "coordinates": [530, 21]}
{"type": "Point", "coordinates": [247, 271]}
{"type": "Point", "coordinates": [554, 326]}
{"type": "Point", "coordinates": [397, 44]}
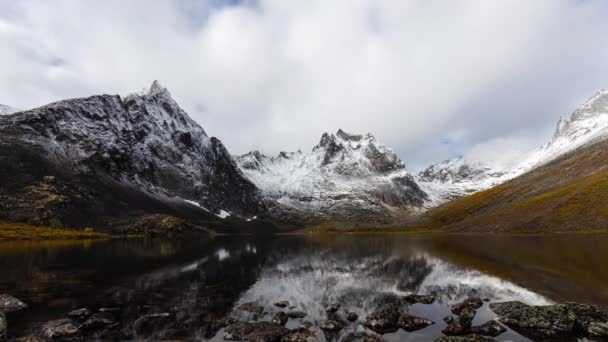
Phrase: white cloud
{"type": "Point", "coordinates": [275, 74]}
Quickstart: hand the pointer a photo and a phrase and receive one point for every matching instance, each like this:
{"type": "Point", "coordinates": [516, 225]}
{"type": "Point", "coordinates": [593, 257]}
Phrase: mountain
{"type": "Point", "coordinates": [460, 177]}
{"type": "Point", "coordinates": [561, 186]}
{"type": "Point", "coordinates": [346, 178]}
{"type": "Point", "coordinates": [105, 160]}
{"type": "Point", "coordinates": [5, 110]}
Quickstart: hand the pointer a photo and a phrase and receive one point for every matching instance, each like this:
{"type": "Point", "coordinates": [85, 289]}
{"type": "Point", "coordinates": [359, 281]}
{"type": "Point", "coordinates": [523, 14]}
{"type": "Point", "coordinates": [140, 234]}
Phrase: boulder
{"type": "Point", "coordinates": [258, 331]}
{"type": "Point", "coordinates": [300, 335]}
{"type": "Point", "coordinates": [59, 328]}
{"type": "Point", "coordinates": [412, 323]}
{"type": "Point", "coordinates": [460, 325]}
{"type": "Point", "coordinates": [489, 328]}
{"type": "Point", "coordinates": [385, 319]}
{"type": "Point", "coordinates": [9, 303]}
{"type": "Point", "coordinates": [415, 298]}
{"type": "Point", "coordinates": [473, 303]}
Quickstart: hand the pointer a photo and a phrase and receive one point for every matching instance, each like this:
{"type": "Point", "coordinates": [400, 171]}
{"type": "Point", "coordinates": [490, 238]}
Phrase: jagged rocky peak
{"type": "Point", "coordinates": [589, 118]}
{"type": "Point", "coordinates": [355, 153]}
{"type": "Point", "coordinates": [456, 170]}
{"type": "Point", "coordinates": [253, 160]}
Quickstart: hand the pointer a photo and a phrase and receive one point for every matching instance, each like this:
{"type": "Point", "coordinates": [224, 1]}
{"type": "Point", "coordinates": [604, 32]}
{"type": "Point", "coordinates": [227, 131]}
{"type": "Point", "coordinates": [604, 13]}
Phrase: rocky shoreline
{"type": "Point", "coordinates": [253, 322]}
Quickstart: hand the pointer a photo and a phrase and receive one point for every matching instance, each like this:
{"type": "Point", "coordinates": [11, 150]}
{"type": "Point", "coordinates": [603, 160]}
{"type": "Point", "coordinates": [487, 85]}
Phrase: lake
{"type": "Point", "coordinates": [203, 280]}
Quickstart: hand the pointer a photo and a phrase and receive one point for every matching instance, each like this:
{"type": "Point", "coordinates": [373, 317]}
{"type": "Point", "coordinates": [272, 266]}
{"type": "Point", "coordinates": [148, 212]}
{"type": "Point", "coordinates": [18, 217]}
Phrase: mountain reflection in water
{"type": "Point", "coordinates": [204, 281]}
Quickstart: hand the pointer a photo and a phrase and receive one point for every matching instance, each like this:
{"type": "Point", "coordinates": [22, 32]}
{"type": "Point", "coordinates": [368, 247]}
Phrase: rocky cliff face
{"type": "Point", "coordinates": [346, 177]}
{"type": "Point", "coordinates": [144, 143]}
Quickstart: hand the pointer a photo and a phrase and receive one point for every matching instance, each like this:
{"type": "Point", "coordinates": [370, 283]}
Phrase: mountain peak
{"type": "Point", "coordinates": [157, 89]}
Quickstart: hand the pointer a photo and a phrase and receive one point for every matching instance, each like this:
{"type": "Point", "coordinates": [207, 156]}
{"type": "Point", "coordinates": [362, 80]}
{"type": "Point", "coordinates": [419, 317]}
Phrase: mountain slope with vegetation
{"type": "Point", "coordinates": [568, 194]}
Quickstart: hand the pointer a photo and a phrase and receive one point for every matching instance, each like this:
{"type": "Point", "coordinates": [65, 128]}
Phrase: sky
{"type": "Point", "coordinates": [432, 79]}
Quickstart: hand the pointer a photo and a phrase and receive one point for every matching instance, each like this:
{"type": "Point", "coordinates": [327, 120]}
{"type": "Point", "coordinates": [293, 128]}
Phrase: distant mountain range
{"type": "Point", "coordinates": [127, 163]}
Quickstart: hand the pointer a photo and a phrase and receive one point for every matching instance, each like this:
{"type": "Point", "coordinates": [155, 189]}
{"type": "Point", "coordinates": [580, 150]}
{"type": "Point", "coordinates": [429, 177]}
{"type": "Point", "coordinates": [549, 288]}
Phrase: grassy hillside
{"type": "Point", "coordinates": [568, 194]}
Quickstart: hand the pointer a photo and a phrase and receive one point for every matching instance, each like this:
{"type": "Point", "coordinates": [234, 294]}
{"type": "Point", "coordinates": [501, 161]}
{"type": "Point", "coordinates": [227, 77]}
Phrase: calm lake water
{"type": "Point", "coordinates": [204, 280]}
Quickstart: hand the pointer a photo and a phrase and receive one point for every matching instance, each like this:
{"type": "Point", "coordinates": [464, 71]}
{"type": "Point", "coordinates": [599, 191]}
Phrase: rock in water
{"type": "Point", "coordinates": [351, 316]}
{"type": "Point", "coordinates": [60, 328]}
{"type": "Point", "coordinates": [300, 335]}
{"type": "Point", "coordinates": [296, 314]}
{"type": "Point", "coordinates": [80, 314]}
{"type": "Point", "coordinates": [332, 325]}
{"type": "Point", "coordinates": [412, 323]}
{"type": "Point", "coordinates": [414, 298]}
{"type": "Point", "coordinates": [489, 328]}
{"type": "Point", "coordinates": [259, 331]}
{"type": "Point", "coordinates": [9, 303]}
{"type": "Point", "coordinates": [282, 304]}
{"type": "Point", "coordinates": [385, 319]}
{"type": "Point", "coordinates": [467, 338]}
{"type": "Point", "coordinates": [461, 324]}
{"type": "Point", "coordinates": [505, 308]}
{"type": "Point", "coordinates": [332, 308]}
{"type": "Point", "coordinates": [251, 307]}
{"type": "Point", "coordinates": [470, 303]}
{"type": "Point", "coordinates": [98, 320]}
{"type": "Point", "coordinates": [3, 326]}
{"type": "Point", "coordinates": [280, 318]}
{"type": "Point", "coordinates": [362, 337]}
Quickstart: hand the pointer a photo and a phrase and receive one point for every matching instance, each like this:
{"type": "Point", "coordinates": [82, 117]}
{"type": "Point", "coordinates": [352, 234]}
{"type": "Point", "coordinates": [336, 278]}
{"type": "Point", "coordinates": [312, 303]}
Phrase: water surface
{"type": "Point", "coordinates": [204, 280]}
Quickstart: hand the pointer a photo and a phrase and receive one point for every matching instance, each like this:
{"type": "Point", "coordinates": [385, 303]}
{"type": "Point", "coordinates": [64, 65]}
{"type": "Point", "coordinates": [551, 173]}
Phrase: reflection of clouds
{"type": "Point", "coordinates": [311, 282]}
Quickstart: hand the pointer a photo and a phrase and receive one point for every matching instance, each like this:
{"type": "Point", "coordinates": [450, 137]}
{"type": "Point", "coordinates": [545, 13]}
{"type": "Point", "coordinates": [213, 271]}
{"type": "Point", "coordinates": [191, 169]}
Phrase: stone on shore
{"type": "Point", "coordinates": [412, 323]}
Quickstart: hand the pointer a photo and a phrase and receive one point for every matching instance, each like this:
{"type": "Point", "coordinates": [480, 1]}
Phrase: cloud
{"type": "Point", "coordinates": [275, 74]}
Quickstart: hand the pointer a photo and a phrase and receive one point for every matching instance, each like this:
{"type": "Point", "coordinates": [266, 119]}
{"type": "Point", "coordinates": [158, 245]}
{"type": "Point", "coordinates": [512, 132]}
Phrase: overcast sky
{"type": "Point", "coordinates": [431, 79]}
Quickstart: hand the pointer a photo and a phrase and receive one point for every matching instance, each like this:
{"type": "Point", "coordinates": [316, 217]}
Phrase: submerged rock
{"type": "Point", "coordinates": [80, 314]}
{"type": "Point", "coordinates": [473, 303]}
{"type": "Point", "coordinates": [460, 325]}
{"type": "Point", "coordinates": [415, 298]}
{"type": "Point", "coordinates": [553, 320]}
{"type": "Point", "coordinates": [282, 304]}
{"type": "Point", "coordinates": [280, 318]}
{"type": "Point", "coordinates": [9, 303]}
{"type": "Point", "coordinates": [489, 328]}
{"type": "Point", "coordinates": [332, 325]}
{"type": "Point", "coordinates": [60, 328]}
{"type": "Point", "coordinates": [385, 319]}
{"type": "Point", "coordinates": [3, 326]}
{"type": "Point", "coordinates": [258, 331]}
{"type": "Point", "coordinates": [300, 335]}
{"type": "Point", "coordinates": [467, 338]}
{"type": "Point", "coordinates": [412, 323]}
{"type": "Point", "coordinates": [296, 314]}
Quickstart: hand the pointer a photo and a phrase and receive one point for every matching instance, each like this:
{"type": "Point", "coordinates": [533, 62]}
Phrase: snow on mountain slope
{"type": "Point", "coordinates": [458, 177]}
{"type": "Point", "coordinates": [341, 168]}
{"type": "Point", "coordinates": [5, 110]}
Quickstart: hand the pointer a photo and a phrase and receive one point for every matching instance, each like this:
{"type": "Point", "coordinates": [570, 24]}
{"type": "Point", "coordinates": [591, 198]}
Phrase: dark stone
{"type": "Point", "coordinates": [385, 319]}
{"type": "Point", "coordinates": [332, 308]}
{"type": "Point", "coordinates": [351, 316]}
{"type": "Point", "coordinates": [148, 324]}
{"type": "Point", "coordinates": [282, 304]}
{"type": "Point", "coordinates": [505, 308]}
{"type": "Point", "coordinates": [280, 318]}
{"type": "Point", "coordinates": [460, 325]}
{"type": "Point", "coordinates": [489, 328]}
{"type": "Point", "coordinates": [300, 335]}
{"type": "Point", "coordinates": [414, 298]}
{"type": "Point", "coordinates": [332, 325]}
{"type": "Point", "coordinates": [60, 328]}
{"type": "Point", "coordinates": [9, 303]}
{"type": "Point", "coordinates": [80, 314]}
{"type": "Point", "coordinates": [362, 337]}
{"type": "Point", "coordinates": [258, 331]}
{"type": "Point", "coordinates": [467, 338]}
{"type": "Point", "coordinates": [98, 320]}
{"type": "Point", "coordinates": [296, 314]}
{"type": "Point", "coordinates": [473, 303]}
{"type": "Point", "coordinates": [251, 307]}
{"type": "Point", "coordinates": [307, 324]}
{"type": "Point", "coordinates": [412, 323]}
{"type": "Point", "coordinates": [3, 326]}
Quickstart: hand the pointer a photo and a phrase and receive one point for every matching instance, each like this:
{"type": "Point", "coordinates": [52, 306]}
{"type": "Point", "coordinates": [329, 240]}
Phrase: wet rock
{"type": "Point", "coordinates": [553, 320]}
{"type": "Point", "coordinates": [332, 308]}
{"type": "Point", "coordinates": [415, 298]}
{"type": "Point", "coordinates": [307, 324]}
{"type": "Point", "coordinates": [282, 304]}
{"type": "Point", "coordinates": [80, 314]}
{"type": "Point", "coordinates": [280, 318]}
{"type": "Point", "coordinates": [467, 338]}
{"type": "Point", "coordinates": [505, 308]}
{"type": "Point", "coordinates": [9, 303]}
{"type": "Point", "coordinates": [296, 314]}
{"type": "Point", "coordinates": [332, 325]}
{"type": "Point", "coordinates": [469, 303]}
{"type": "Point", "coordinates": [258, 331]}
{"type": "Point", "coordinates": [147, 324]}
{"type": "Point", "coordinates": [460, 325]}
{"type": "Point", "coordinates": [385, 319]}
{"type": "Point", "coordinates": [60, 328]}
{"type": "Point", "coordinates": [251, 307]}
{"type": "Point", "coordinates": [412, 323]}
{"type": "Point", "coordinates": [448, 319]}
{"type": "Point", "coordinates": [300, 335]}
{"type": "Point", "coordinates": [351, 316]}
{"type": "Point", "coordinates": [97, 320]}
{"type": "Point", "coordinates": [362, 337]}
{"type": "Point", "coordinates": [3, 326]}
{"type": "Point", "coordinates": [489, 328]}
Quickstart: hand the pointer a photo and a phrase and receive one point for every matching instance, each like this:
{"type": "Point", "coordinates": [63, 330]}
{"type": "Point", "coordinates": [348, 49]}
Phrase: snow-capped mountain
{"type": "Point", "coordinates": [5, 110]}
{"type": "Point", "coordinates": [459, 177]}
{"type": "Point", "coordinates": [142, 141]}
{"type": "Point", "coordinates": [343, 173]}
